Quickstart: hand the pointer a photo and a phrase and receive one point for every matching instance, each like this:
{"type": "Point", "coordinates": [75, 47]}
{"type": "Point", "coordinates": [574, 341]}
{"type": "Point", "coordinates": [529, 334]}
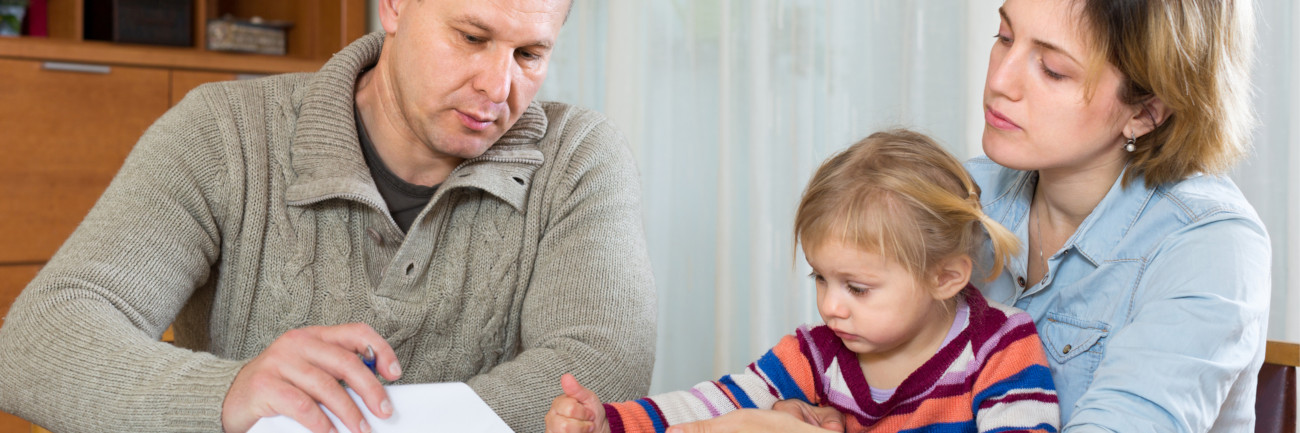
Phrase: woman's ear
{"type": "Point", "coordinates": [1150, 115]}
{"type": "Point", "coordinates": [952, 275]}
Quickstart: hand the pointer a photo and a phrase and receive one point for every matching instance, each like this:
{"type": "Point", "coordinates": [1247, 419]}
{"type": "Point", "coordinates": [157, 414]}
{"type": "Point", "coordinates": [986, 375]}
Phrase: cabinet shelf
{"type": "Point", "coordinates": [320, 28]}
{"type": "Point", "coordinates": [109, 53]}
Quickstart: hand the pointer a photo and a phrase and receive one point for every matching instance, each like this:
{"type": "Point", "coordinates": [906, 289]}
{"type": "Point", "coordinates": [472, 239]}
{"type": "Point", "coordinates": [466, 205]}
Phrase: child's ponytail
{"type": "Point", "coordinates": [1004, 243]}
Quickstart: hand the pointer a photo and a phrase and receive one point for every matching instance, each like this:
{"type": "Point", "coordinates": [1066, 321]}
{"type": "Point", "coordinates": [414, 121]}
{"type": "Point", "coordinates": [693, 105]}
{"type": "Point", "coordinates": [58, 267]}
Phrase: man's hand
{"type": "Point", "coordinates": [577, 411]}
{"type": "Point", "coordinates": [303, 368]}
{"type": "Point", "coordinates": [824, 417]}
{"type": "Point", "coordinates": [749, 420]}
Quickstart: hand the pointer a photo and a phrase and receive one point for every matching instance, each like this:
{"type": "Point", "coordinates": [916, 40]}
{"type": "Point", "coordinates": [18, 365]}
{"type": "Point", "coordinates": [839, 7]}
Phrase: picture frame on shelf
{"type": "Point", "coordinates": [11, 16]}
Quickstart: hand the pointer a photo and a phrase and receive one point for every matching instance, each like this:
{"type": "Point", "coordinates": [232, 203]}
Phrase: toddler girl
{"type": "Point", "coordinates": [889, 227]}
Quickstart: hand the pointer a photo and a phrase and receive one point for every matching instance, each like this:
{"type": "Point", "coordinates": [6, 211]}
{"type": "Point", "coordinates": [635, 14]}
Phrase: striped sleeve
{"type": "Point", "coordinates": [1014, 391]}
{"type": "Point", "coordinates": [782, 373]}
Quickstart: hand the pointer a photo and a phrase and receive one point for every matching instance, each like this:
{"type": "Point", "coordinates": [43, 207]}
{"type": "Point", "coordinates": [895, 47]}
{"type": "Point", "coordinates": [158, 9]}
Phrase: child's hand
{"type": "Point", "coordinates": [577, 411]}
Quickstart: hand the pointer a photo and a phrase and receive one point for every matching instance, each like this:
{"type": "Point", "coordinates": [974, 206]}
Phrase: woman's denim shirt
{"type": "Point", "coordinates": [1154, 313]}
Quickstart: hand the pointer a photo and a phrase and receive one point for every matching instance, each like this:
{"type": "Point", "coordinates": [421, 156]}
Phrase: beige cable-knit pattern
{"type": "Point", "coordinates": [247, 210]}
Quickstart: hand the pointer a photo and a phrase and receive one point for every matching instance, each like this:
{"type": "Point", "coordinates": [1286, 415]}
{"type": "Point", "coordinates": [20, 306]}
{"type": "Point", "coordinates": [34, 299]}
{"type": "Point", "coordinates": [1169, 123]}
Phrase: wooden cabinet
{"type": "Point", "coordinates": [66, 133]}
{"type": "Point", "coordinates": [13, 424]}
{"type": "Point", "coordinates": [71, 110]}
{"type": "Point", "coordinates": [12, 280]}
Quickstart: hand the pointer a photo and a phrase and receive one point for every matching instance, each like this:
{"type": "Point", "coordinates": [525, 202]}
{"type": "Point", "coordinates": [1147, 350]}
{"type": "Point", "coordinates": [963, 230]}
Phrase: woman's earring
{"type": "Point", "coordinates": [1130, 144]}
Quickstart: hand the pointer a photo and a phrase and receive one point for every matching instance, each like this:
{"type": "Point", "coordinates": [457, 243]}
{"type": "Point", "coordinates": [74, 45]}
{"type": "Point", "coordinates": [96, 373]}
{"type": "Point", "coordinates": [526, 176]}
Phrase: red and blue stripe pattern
{"type": "Point", "coordinates": [991, 377]}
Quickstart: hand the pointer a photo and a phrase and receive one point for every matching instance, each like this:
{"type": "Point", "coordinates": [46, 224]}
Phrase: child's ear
{"type": "Point", "coordinates": [951, 276]}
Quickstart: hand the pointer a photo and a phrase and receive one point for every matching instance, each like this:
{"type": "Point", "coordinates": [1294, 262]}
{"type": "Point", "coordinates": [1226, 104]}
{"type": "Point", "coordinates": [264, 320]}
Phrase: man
{"type": "Point", "coordinates": [409, 200]}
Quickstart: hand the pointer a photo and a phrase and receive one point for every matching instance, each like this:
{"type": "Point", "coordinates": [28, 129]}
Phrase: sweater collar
{"type": "Point", "coordinates": [327, 157]}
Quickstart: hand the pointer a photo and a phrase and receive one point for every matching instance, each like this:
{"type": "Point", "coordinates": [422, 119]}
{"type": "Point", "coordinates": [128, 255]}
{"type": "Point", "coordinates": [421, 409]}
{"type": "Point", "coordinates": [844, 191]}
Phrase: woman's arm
{"type": "Point", "coordinates": [1196, 329]}
{"type": "Point", "coordinates": [750, 421]}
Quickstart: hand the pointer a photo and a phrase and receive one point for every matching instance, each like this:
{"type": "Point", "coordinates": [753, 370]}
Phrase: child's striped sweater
{"type": "Point", "coordinates": [992, 376]}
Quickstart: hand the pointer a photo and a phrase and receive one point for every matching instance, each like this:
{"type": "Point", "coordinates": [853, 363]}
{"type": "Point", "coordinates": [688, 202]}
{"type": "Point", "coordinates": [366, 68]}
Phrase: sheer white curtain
{"type": "Point", "coordinates": [729, 105]}
{"type": "Point", "coordinates": [1270, 178]}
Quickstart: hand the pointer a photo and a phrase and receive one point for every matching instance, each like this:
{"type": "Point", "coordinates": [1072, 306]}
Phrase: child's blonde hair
{"type": "Point", "coordinates": [901, 195]}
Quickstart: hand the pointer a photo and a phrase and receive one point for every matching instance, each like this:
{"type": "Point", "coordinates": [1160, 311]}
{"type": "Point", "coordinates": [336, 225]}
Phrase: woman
{"type": "Point", "coordinates": [1148, 276]}
{"type": "Point", "coordinates": [1108, 127]}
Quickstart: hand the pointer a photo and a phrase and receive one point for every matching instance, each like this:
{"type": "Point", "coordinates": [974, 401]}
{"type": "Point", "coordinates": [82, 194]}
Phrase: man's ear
{"type": "Point", "coordinates": [951, 276]}
{"type": "Point", "coordinates": [388, 14]}
{"type": "Point", "coordinates": [1151, 114]}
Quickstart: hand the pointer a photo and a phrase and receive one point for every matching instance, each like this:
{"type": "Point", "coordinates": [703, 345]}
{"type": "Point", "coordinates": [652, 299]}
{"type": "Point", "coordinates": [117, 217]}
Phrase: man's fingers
{"type": "Point", "coordinates": [333, 363]}
{"type": "Point", "coordinates": [371, 391]}
{"type": "Point", "coordinates": [358, 337]}
{"type": "Point", "coordinates": [309, 363]}
{"type": "Point", "coordinates": [325, 389]}
{"type": "Point", "coordinates": [293, 403]}
{"type": "Point", "coordinates": [332, 354]}
{"type": "Point", "coordinates": [346, 366]}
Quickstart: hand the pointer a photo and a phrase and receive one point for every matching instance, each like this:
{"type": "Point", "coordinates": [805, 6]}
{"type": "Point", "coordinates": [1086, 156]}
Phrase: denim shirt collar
{"type": "Point", "coordinates": [1107, 224]}
{"type": "Point", "coordinates": [1111, 220]}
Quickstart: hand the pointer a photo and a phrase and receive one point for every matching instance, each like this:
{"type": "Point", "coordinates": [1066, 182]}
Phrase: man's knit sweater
{"type": "Point", "coordinates": [248, 210]}
{"type": "Point", "coordinates": [991, 376]}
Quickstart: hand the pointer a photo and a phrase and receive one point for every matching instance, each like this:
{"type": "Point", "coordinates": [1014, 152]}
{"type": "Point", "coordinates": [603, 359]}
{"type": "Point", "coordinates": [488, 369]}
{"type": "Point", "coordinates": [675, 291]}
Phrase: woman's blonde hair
{"type": "Point", "coordinates": [1195, 55]}
{"type": "Point", "coordinates": [901, 195]}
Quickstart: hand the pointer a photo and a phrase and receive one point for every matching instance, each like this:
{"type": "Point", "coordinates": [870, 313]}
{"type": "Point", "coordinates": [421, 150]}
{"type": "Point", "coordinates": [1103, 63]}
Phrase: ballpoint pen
{"type": "Point", "coordinates": [369, 358]}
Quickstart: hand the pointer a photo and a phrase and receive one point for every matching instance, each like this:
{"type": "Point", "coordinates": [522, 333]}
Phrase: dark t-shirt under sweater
{"type": "Point", "coordinates": [404, 200]}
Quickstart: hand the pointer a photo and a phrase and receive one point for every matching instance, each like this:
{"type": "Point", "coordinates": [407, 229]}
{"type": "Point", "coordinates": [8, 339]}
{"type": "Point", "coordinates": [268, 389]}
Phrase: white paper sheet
{"type": "Point", "coordinates": [431, 407]}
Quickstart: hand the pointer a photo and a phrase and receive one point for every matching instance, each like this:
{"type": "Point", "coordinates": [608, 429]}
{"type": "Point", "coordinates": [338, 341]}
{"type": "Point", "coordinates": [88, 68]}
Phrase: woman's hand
{"type": "Point", "coordinates": [824, 417]}
{"type": "Point", "coordinates": [577, 411]}
{"type": "Point", "coordinates": [752, 420]}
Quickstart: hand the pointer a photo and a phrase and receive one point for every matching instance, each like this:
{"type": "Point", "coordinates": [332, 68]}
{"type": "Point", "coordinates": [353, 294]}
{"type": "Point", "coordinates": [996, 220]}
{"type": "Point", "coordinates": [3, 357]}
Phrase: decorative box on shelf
{"type": "Point", "coordinates": [155, 22]}
{"type": "Point", "coordinates": [251, 36]}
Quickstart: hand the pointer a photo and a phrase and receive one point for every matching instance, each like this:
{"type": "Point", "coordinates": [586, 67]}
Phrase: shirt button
{"type": "Point", "coordinates": [375, 236]}
{"type": "Point", "coordinates": [1020, 281]}
{"type": "Point", "coordinates": [1066, 349]}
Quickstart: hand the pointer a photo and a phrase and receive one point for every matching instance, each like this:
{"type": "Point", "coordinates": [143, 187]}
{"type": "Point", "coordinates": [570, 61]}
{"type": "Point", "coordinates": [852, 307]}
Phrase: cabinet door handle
{"type": "Point", "coordinates": [76, 67]}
